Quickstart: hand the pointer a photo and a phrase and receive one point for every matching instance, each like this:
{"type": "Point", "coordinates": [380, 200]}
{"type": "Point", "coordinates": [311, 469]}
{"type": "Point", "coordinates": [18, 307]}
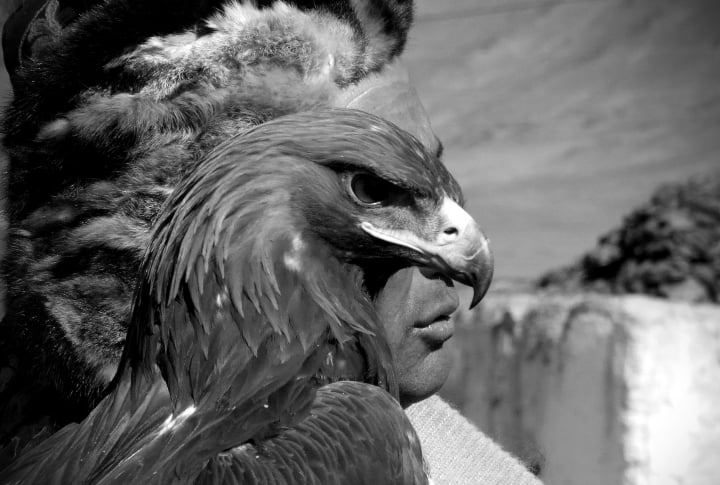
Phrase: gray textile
{"type": "Point", "coordinates": [458, 453]}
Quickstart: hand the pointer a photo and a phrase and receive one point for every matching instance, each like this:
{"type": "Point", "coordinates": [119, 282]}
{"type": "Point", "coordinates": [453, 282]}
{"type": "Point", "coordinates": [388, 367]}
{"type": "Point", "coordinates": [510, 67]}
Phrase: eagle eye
{"type": "Point", "coordinates": [370, 190]}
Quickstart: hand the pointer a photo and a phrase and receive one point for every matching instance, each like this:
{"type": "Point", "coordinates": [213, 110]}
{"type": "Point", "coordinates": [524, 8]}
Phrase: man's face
{"type": "Point", "coordinates": [416, 306]}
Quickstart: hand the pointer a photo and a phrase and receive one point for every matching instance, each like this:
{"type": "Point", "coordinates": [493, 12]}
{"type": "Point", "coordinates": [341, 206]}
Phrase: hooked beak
{"type": "Point", "coordinates": [460, 250]}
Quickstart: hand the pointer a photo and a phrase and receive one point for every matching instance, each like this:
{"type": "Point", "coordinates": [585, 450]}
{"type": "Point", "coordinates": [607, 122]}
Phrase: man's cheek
{"type": "Point", "coordinates": [409, 351]}
{"type": "Point", "coordinates": [396, 303]}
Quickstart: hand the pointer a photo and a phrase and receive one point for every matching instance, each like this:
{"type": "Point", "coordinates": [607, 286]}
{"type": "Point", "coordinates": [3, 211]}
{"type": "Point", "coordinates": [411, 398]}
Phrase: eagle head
{"type": "Point", "coordinates": [381, 200]}
{"type": "Point", "coordinates": [276, 239]}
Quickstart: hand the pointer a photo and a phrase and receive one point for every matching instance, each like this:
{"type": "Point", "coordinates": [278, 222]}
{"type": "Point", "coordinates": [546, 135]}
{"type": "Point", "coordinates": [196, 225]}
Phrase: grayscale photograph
{"type": "Point", "coordinates": [360, 242]}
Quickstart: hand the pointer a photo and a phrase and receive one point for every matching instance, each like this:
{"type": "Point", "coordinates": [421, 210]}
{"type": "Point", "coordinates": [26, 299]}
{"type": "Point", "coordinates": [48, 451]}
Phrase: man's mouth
{"type": "Point", "coordinates": [436, 326]}
{"type": "Point", "coordinates": [436, 332]}
{"type": "Point", "coordinates": [432, 321]}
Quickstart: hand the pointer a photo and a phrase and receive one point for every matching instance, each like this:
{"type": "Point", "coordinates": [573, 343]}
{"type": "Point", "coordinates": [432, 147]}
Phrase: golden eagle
{"type": "Point", "coordinates": [254, 354]}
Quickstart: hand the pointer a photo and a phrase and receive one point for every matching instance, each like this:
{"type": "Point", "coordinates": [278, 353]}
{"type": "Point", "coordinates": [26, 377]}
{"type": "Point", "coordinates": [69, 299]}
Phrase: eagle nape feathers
{"type": "Point", "coordinates": [254, 354]}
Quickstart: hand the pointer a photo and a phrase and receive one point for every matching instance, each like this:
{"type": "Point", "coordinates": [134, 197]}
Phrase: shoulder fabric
{"type": "Point", "coordinates": [458, 453]}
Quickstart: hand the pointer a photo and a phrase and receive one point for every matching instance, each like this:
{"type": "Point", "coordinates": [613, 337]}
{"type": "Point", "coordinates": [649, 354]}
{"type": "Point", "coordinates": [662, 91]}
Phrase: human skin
{"type": "Point", "coordinates": [417, 306]}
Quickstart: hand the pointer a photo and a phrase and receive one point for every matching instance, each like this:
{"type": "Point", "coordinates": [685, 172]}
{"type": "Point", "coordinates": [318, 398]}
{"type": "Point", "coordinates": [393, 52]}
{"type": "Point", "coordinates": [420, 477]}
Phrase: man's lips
{"type": "Point", "coordinates": [438, 326]}
{"type": "Point", "coordinates": [437, 332]}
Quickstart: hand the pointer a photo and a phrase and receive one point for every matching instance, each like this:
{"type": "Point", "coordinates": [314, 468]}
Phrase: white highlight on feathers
{"type": "Point", "coordinates": [221, 302]}
{"type": "Point", "coordinates": [173, 421]}
{"type": "Point", "coordinates": [242, 448]}
{"type": "Point", "coordinates": [293, 258]}
{"type": "Point", "coordinates": [163, 189]}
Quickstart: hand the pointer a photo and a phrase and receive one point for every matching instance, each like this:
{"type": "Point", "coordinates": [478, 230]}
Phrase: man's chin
{"type": "Point", "coordinates": [426, 376]}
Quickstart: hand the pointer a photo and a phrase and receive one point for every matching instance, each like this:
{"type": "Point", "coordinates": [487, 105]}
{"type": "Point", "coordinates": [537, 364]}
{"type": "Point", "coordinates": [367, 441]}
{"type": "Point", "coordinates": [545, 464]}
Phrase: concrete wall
{"type": "Point", "coordinates": [595, 390]}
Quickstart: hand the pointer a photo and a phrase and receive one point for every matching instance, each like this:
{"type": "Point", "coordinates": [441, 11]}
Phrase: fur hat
{"type": "Point", "coordinates": [110, 111]}
{"type": "Point", "coordinates": [34, 25]}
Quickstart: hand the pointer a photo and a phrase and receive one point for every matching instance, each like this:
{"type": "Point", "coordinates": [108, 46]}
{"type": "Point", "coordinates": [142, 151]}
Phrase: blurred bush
{"type": "Point", "coordinates": [669, 247]}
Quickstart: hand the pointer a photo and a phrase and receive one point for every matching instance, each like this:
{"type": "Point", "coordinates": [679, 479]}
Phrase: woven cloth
{"type": "Point", "coordinates": [458, 453]}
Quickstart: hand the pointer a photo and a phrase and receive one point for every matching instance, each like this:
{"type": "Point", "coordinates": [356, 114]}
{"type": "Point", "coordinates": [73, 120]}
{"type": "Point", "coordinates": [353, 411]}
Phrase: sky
{"type": "Point", "coordinates": [558, 117]}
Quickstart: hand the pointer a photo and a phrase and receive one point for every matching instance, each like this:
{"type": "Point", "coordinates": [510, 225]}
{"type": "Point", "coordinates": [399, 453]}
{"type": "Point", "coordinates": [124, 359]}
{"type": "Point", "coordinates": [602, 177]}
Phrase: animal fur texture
{"type": "Point", "coordinates": [107, 120]}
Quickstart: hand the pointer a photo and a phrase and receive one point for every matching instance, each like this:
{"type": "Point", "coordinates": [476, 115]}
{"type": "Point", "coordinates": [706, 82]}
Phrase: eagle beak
{"type": "Point", "coordinates": [460, 250]}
